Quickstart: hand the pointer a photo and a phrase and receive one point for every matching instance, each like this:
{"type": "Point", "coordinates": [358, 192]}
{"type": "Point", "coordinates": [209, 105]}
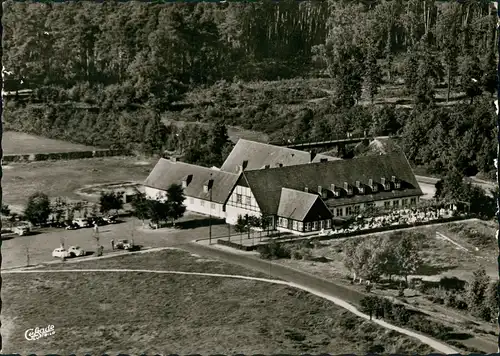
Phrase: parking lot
{"type": "Point", "coordinates": [41, 243]}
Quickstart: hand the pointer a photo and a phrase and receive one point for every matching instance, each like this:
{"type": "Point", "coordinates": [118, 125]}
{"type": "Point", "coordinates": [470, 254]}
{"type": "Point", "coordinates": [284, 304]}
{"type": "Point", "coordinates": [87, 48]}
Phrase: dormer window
{"type": "Point", "coordinates": [306, 189]}
{"type": "Point", "coordinates": [267, 166]}
{"type": "Point", "coordinates": [397, 182]}
{"type": "Point", "coordinates": [244, 165]}
{"type": "Point", "coordinates": [187, 180]}
{"type": "Point", "coordinates": [348, 188]}
{"type": "Point", "coordinates": [205, 188]}
{"type": "Point", "coordinates": [336, 193]}
{"type": "Point", "coordinates": [184, 183]}
{"type": "Point", "coordinates": [385, 184]}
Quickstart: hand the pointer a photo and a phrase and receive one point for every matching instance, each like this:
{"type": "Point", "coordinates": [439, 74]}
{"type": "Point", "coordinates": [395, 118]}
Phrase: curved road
{"type": "Point", "coordinates": [438, 346]}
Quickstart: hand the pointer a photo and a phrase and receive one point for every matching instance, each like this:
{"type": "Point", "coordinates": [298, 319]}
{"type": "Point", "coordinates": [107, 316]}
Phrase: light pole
{"type": "Point", "coordinates": [210, 211]}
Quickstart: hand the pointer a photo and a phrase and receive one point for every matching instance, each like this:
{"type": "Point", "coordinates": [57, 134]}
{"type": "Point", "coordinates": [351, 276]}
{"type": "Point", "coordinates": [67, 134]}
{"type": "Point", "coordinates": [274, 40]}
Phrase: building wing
{"type": "Point", "coordinates": [193, 178]}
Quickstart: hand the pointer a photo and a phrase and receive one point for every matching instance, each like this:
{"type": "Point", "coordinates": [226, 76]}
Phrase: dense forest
{"type": "Point", "coordinates": [109, 73]}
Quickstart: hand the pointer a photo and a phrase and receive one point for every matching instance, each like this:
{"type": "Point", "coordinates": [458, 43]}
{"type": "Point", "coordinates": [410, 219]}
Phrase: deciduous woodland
{"type": "Point", "coordinates": [111, 74]}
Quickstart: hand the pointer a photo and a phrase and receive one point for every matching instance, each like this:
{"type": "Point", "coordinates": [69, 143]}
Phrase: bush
{"type": "Point", "coordinates": [274, 250]}
{"type": "Point", "coordinates": [452, 283]}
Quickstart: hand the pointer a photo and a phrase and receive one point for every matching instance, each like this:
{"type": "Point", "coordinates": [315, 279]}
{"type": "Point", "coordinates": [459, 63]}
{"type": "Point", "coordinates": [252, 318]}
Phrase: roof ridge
{"type": "Point", "coordinates": [198, 167]}
{"type": "Point", "coordinates": [268, 144]}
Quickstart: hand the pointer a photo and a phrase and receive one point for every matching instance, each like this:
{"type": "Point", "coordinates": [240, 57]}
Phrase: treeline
{"type": "Point", "coordinates": [105, 74]}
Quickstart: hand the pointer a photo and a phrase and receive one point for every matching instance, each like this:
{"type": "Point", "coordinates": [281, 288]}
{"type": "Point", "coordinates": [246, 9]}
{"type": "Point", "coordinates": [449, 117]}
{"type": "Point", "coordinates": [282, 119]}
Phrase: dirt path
{"type": "Point", "coordinates": [438, 346]}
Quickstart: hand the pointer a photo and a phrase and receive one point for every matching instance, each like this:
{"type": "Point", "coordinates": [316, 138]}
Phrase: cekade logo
{"type": "Point", "coordinates": [38, 333]}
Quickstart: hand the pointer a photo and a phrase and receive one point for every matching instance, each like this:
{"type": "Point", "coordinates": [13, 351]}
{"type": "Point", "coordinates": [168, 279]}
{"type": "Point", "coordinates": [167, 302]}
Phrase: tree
{"type": "Point", "coordinates": [369, 304]}
{"type": "Point", "coordinates": [38, 208]}
{"type": "Point", "coordinates": [373, 75]}
{"type": "Point", "coordinates": [491, 300]}
{"type": "Point", "coordinates": [157, 210]}
{"type": "Point", "coordinates": [140, 205]}
{"type": "Point", "coordinates": [241, 226]}
{"type": "Point", "coordinates": [408, 259]}
{"type": "Point", "coordinates": [5, 210]}
{"type": "Point", "coordinates": [110, 201]}
{"type": "Point", "coordinates": [476, 289]}
{"type": "Point", "coordinates": [470, 76]}
{"type": "Point", "coordinates": [175, 202]}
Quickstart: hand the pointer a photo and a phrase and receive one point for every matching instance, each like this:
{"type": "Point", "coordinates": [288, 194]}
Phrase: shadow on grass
{"type": "Point", "coordinates": [193, 224]}
{"type": "Point", "coordinates": [89, 253]}
{"type": "Point", "coordinates": [457, 336]}
{"type": "Point", "coordinates": [321, 259]}
{"type": "Point", "coordinates": [429, 270]}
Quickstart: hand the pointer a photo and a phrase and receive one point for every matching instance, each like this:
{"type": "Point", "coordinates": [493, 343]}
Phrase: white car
{"type": "Point", "coordinates": [81, 222]}
{"type": "Point", "coordinates": [60, 252]}
{"type": "Point", "coordinates": [75, 251]}
{"type": "Point", "coordinates": [21, 230]}
{"type": "Point", "coordinates": [124, 244]}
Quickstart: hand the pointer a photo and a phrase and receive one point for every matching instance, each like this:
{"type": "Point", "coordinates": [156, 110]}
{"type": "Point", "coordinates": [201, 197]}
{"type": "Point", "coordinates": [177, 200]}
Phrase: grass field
{"type": "Point", "coordinates": [138, 313]}
{"type": "Point", "coordinates": [62, 178]}
{"type": "Point", "coordinates": [22, 143]}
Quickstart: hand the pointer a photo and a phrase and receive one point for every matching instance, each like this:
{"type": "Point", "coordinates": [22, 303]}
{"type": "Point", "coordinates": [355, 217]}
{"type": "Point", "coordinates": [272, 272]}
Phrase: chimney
{"type": "Point", "coordinates": [370, 182]}
{"type": "Point", "coordinates": [358, 184]}
{"type": "Point", "coordinates": [320, 190]}
{"type": "Point", "coordinates": [346, 185]}
{"type": "Point", "coordinates": [332, 187]}
{"type": "Point", "coordinates": [173, 159]}
{"type": "Point", "coordinates": [306, 189]}
{"type": "Point", "coordinates": [382, 181]}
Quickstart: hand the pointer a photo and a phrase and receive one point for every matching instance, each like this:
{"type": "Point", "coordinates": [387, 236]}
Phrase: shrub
{"type": "Point", "coordinates": [452, 283]}
{"type": "Point", "coordinates": [274, 250]}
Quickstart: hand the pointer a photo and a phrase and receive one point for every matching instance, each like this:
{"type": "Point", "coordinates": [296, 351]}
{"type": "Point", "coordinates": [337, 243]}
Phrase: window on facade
{"type": "Point", "coordinates": [308, 226]}
{"type": "Point", "coordinates": [202, 202]}
{"type": "Point", "coordinates": [387, 204]}
{"type": "Point", "coordinates": [284, 222]}
{"type": "Point", "coordinates": [322, 224]}
{"type": "Point", "coordinates": [294, 226]}
{"type": "Point", "coordinates": [413, 201]}
{"type": "Point", "coordinates": [357, 209]}
{"type": "Point", "coordinates": [404, 202]}
{"type": "Point", "coordinates": [339, 211]}
{"type": "Point", "coordinates": [328, 223]}
{"type": "Point", "coordinates": [315, 225]}
{"type": "Point", "coordinates": [248, 200]}
{"type": "Point", "coordinates": [395, 203]}
{"type": "Point", "coordinates": [300, 226]}
{"type": "Point", "coordinates": [348, 210]}
{"type": "Point", "coordinates": [239, 198]}
{"type": "Point", "coordinates": [212, 206]}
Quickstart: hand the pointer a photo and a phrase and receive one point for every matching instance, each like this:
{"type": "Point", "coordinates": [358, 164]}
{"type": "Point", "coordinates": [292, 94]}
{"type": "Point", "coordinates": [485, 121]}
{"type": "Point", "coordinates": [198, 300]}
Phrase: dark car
{"type": "Point", "coordinates": [72, 226]}
{"type": "Point", "coordinates": [97, 220]}
{"type": "Point", "coordinates": [111, 219]}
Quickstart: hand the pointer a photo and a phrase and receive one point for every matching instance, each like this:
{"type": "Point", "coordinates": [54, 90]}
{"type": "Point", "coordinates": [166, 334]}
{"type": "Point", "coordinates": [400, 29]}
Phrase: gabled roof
{"type": "Point", "coordinates": [266, 184]}
{"type": "Point", "coordinates": [167, 172]}
{"type": "Point", "coordinates": [258, 155]}
{"type": "Point", "coordinates": [296, 205]}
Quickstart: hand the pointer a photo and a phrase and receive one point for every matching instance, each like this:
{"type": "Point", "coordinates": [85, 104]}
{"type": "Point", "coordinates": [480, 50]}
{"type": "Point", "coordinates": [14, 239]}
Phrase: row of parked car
{"type": "Point", "coordinates": [90, 222]}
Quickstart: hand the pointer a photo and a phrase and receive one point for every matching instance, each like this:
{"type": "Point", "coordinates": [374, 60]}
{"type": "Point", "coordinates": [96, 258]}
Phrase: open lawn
{"type": "Point", "coordinates": [63, 178]}
{"type": "Point", "coordinates": [22, 143]}
{"type": "Point", "coordinates": [109, 312]}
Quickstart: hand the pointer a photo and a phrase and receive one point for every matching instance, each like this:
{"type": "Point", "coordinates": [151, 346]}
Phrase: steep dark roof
{"type": "Point", "coordinates": [167, 172]}
{"type": "Point", "coordinates": [266, 184]}
{"type": "Point", "coordinates": [258, 155]}
{"type": "Point", "coordinates": [297, 205]}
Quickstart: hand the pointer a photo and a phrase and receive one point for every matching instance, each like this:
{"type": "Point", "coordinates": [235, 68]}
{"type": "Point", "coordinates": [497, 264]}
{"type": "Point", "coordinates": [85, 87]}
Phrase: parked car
{"type": "Point", "coordinates": [111, 219]}
{"type": "Point", "coordinates": [21, 230]}
{"type": "Point", "coordinates": [124, 244]}
{"type": "Point", "coordinates": [72, 226]}
{"type": "Point", "coordinates": [60, 252]}
{"type": "Point", "coordinates": [81, 222]}
{"type": "Point", "coordinates": [75, 251]}
{"type": "Point", "coordinates": [98, 220]}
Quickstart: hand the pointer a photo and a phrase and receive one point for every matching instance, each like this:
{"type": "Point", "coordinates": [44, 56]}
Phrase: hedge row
{"type": "Point", "coordinates": [63, 155]}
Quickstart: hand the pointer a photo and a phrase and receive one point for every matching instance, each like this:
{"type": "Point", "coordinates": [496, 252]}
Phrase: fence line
{"type": "Point", "coordinates": [35, 157]}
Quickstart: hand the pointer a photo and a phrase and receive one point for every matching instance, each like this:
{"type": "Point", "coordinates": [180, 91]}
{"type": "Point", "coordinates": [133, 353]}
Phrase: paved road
{"type": "Point", "coordinates": [430, 181]}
